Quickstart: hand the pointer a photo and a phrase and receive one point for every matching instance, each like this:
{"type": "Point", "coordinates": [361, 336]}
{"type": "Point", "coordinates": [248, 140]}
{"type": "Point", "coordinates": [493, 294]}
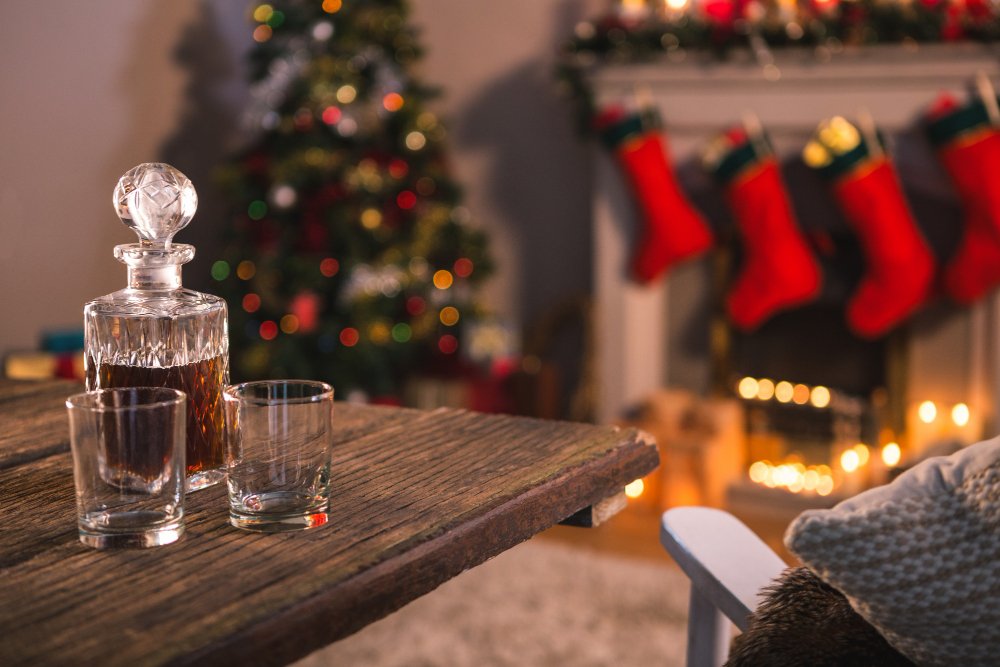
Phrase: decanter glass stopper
{"type": "Point", "coordinates": [156, 201]}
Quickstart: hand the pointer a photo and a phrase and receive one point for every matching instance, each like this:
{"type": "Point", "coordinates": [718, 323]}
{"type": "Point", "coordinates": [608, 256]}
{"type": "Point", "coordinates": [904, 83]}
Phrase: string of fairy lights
{"type": "Point", "coordinates": [794, 475]}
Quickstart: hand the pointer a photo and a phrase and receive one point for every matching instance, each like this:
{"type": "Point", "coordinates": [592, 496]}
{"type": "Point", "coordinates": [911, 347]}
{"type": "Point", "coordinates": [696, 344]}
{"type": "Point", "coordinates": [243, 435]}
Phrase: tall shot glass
{"type": "Point", "coordinates": [279, 437]}
{"type": "Point", "coordinates": [128, 465]}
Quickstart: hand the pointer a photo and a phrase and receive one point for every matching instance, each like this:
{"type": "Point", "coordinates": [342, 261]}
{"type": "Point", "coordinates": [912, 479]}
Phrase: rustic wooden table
{"type": "Point", "coordinates": [419, 497]}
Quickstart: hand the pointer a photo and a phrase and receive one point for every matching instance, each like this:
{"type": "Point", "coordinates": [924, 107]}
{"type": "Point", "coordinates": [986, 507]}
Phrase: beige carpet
{"type": "Point", "coordinates": [540, 603]}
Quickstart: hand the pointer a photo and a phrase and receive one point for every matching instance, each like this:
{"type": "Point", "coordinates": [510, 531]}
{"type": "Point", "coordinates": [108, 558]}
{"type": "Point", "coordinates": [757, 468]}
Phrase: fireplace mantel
{"type": "Point", "coordinates": [698, 98]}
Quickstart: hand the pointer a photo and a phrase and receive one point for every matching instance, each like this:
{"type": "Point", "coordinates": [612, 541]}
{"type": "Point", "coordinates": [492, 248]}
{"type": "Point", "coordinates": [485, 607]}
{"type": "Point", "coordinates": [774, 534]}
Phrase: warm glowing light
{"type": "Point", "coordinates": [268, 330]}
{"type": "Point", "coordinates": [797, 482]}
{"type": "Point", "coordinates": [800, 394]}
{"type": "Point", "coordinates": [443, 279]}
{"type": "Point", "coordinates": [635, 489]}
{"type": "Point", "coordinates": [331, 115]}
{"type": "Point", "coordinates": [262, 33]}
{"type": "Point", "coordinates": [810, 480]}
{"type": "Point", "coordinates": [850, 460]}
{"type": "Point", "coordinates": [332, 6]}
{"type": "Point", "coordinates": [765, 389]}
{"type": "Point", "coordinates": [289, 324]}
{"type": "Point", "coordinates": [783, 391]}
{"type": "Point", "coordinates": [329, 267]}
{"type": "Point", "coordinates": [415, 140]}
{"type": "Point", "coordinates": [262, 13]}
{"type": "Point", "coordinates": [759, 470]}
{"type": "Point", "coordinates": [346, 94]}
{"type": "Point", "coordinates": [960, 414]}
{"type": "Point", "coordinates": [251, 302]}
{"type": "Point", "coordinates": [246, 269]}
{"type": "Point", "coordinates": [820, 396]}
{"type": "Point", "coordinates": [448, 344]}
{"type": "Point", "coordinates": [861, 449]}
{"type": "Point", "coordinates": [392, 102]}
{"type": "Point", "coordinates": [927, 412]}
{"type": "Point", "coordinates": [349, 336]}
{"type": "Point", "coordinates": [825, 485]}
{"type": "Point", "coordinates": [379, 332]}
{"type": "Point", "coordinates": [891, 453]}
{"type": "Point", "coordinates": [747, 388]}
{"type": "Point", "coordinates": [449, 316]}
{"type": "Point", "coordinates": [371, 218]}
{"type": "Point", "coordinates": [463, 267]}
{"type": "Point", "coordinates": [677, 4]}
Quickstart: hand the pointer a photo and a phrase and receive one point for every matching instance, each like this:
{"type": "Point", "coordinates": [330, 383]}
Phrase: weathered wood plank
{"type": "Point", "coordinates": [419, 497]}
{"type": "Point", "coordinates": [33, 419]}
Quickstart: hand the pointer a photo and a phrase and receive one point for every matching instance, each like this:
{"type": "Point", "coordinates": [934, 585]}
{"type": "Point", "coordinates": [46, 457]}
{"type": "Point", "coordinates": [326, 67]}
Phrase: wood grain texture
{"type": "Point", "coordinates": [418, 498]}
{"type": "Point", "coordinates": [33, 420]}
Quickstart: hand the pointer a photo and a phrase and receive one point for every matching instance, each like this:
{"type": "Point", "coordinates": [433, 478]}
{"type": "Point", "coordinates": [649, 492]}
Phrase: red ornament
{"type": "Point", "coordinates": [448, 344]}
{"type": "Point", "coordinates": [349, 336]}
{"type": "Point", "coordinates": [415, 305]}
{"type": "Point", "coordinates": [305, 306]}
{"type": "Point", "coordinates": [406, 200]}
{"type": "Point", "coordinates": [463, 267]}
{"type": "Point", "coordinates": [268, 330]}
{"type": "Point", "coordinates": [398, 168]}
{"type": "Point", "coordinates": [331, 115]}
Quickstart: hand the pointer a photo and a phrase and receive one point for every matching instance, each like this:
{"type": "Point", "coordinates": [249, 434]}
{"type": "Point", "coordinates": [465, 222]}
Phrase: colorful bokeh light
{"type": "Point", "coordinates": [443, 279]}
{"type": "Point", "coordinates": [220, 270]}
{"type": "Point", "coordinates": [251, 303]}
{"type": "Point", "coordinates": [349, 336]}
{"type": "Point", "coordinates": [406, 200]}
{"type": "Point", "coordinates": [448, 344]}
{"type": "Point", "coordinates": [392, 102]}
{"type": "Point", "coordinates": [268, 330]}
{"type": "Point", "coordinates": [246, 270]}
{"type": "Point", "coordinates": [329, 267]}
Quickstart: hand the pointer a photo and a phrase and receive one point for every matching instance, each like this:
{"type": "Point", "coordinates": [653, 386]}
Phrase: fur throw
{"type": "Point", "coordinates": [803, 621]}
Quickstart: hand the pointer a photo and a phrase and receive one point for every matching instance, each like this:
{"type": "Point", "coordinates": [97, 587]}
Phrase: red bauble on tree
{"type": "Point", "coordinates": [672, 230]}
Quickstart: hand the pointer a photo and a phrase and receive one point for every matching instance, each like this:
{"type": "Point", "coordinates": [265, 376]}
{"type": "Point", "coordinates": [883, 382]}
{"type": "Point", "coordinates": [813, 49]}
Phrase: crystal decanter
{"type": "Point", "coordinates": [156, 333]}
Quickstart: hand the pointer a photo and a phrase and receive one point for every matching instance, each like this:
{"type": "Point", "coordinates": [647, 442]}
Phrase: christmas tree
{"type": "Point", "coordinates": [349, 258]}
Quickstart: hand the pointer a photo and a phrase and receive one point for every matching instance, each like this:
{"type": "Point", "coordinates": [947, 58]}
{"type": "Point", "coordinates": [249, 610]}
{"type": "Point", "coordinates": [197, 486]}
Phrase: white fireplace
{"type": "Point", "coordinates": [640, 328]}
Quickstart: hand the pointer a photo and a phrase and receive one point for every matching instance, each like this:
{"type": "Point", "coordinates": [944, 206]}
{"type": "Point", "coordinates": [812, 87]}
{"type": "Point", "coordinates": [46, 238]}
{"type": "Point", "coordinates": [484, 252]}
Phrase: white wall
{"type": "Point", "coordinates": [88, 91]}
{"type": "Point", "coordinates": [91, 89]}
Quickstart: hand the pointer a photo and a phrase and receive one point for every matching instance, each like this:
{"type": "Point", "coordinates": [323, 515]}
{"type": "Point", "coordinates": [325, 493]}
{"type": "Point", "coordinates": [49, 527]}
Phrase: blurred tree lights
{"type": "Point", "coordinates": [349, 258]}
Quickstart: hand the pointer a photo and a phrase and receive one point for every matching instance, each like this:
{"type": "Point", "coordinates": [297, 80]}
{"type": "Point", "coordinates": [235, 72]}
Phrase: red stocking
{"type": "Point", "coordinates": [779, 270]}
{"type": "Point", "coordinates": [969, 148]}
{"type": "Point", "coordinates": [900, 266]}
{"type": "Point", "coordinates": [672, 230]}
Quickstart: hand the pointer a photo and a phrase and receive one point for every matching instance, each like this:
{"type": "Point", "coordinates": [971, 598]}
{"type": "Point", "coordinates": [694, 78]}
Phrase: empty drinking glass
{"type": "Point", "coordinates": [128, 465]}
{"type": "Point", "coordinates": [279, 444]}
